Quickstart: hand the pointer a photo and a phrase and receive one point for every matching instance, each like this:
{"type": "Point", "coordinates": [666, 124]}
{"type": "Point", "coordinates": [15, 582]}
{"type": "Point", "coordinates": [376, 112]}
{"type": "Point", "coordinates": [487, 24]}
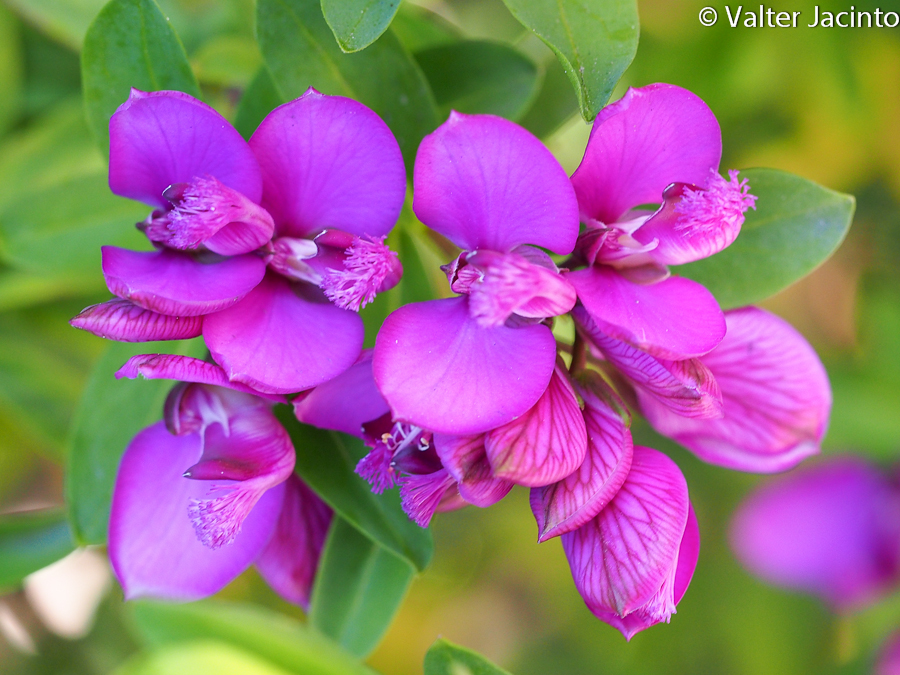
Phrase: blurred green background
{"type": "Point", "coordinates": [821, 103]}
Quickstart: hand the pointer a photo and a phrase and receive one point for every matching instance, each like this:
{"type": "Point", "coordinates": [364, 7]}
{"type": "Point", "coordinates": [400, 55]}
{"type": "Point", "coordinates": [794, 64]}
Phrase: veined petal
{"type": "Point", "coordinates": [622, 558]}
{"type": "Point", "coordinates": [570, 503]}
{"type": "Point", "coordinates": [674, 319]}
{"type": "Point", "coordinates": [440, 370]}
{"type": "Point", "coordinates": [465, 459]}
{"type": "Point", "coordinates": [329, 162]}
{"type": "Point", "coordinates": [545, 444]}
{"type": "Point", "coordinates": [775, 393]}
{"type": "Point", "coordinates": [695, 223]}
{"type": "Point", "coordinates": [688, 554]}
{"type": "Point", "coordinates": [278, 341]}
{"type": "Point", "coordinates": [687, 388]}
{"type": "Point", "coordinates": [124, 321]}
{"type": "Point", "coordinates": [487, 183]}
{"type": "Point", "coordinates": [153, 548]}
{"type": "Point", "coordinates": [179, 284]}
{"type": "Point", "coordinates": [422, 494]}
{"type": "Point", "coordinates": [832, 529]}
{"type": "Point", "coordinates": [650, 138]}
{"type": "Point", "coordinates": [160, 138]}
{"type": "Point", "coordinates": [289, 561]}
{"type": "Point", "coordinates": [346, 402]}
{"type": "Point", "coordinates": [185, 369]}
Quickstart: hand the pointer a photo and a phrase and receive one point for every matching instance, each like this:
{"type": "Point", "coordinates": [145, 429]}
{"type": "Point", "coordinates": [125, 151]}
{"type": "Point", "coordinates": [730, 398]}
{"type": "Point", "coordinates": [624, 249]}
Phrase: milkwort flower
{"type": "Point", "coordinates": [468, 364]}
{"type": "Point", "coordinates": [831, 529]}
{"type": "Point", "coordinates": [754, 399]}
{"type": "Point", "coordinates": [265, 248]}
{"type": "Point", "coordinates": [400, 453]}
{"type": "Point", "coordinates": [209, 490]}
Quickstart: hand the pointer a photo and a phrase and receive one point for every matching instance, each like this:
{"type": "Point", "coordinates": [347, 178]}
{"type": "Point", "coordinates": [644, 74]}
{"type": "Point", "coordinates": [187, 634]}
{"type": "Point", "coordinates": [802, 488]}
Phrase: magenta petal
{"type": "Point", "coordinates": [440, 370]}
{"type": "Point", "coordinates": [278, 341]}
{"type": "Point", "coordinates": [576, 499]}
{"type": "Point", "coordinates": [695, 223]}
{"type": "Point", "coordinates": [184, 369]}
{"type": "Point", "coordinates": [673, 319]}
{"type": "Point", "coordinates": [345, 403]}
{"type": "Point", "coordinates": [775, 392]}
{"type": "Point", "coordinates": [290, 560]}
{"type": "Point", "coordinates": [124, 321]}
{"type": "Point", "coordinates": [160, 138]}
{"type": "Point", "coordinates": [546, 443]}
{"type": "Point", "coordinates": [687, 388]}
{"type": "Point", "coordinates": [832, 529]}
{"type": "Point", "coordinates": [466, 461]}
{"type": "Point", "coordinates": [153, 548]}
{"type": "Point", "coordinates": [688, 554]}
{"type": "Point", "coordinates": [329, 162]}
{"type": "Point", "coordinates": [625, 557]}
{"type": "Point", "coordinates": [650, 138]}
{"type": "Point", "coordinates": [487, 183]}
{"type": "Point", "coordinates": [179, 284]}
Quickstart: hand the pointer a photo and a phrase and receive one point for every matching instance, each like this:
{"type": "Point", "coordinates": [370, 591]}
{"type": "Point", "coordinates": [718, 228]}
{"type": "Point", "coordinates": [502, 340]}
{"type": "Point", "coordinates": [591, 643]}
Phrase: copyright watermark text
{"type": "Point", "coordinates": [765, 17]}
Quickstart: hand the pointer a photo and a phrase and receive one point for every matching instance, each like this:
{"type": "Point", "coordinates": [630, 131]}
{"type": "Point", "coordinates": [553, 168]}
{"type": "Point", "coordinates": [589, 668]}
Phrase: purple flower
{"type": "Point", "coordinates": [472, 363]}
{"type": "Point", "coordinates": [831, 529]}
{"type": "Point", "coordinates": [633, 562]}
{"type": "Point", "coordinates": [571, 502]}
{"type": "Point", "coordinates": [775, 395]}
{"type": "Point", "coordinates": [210, 490]}
{"type": "Point", "coordinates": [432, 477]}
{"type": "Point", "coordinates": [658, 144]}
{"type": "Point", "coordinates": [264, 247]}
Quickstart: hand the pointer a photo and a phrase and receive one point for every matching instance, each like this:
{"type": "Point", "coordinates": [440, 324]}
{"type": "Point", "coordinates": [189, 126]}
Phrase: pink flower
{"type": "Point", "coordinates": [658, 144]}
{"type": "Point", "coordinates": [265, 248]}
{"type": "Point", "coordinates": [472, 363]}
{"type": "Point", "coordinates": [210, 490]}
{"type": "Point", "coordinates": [633, 562]}
{"type": "Point", "coordinates": [831, 529]}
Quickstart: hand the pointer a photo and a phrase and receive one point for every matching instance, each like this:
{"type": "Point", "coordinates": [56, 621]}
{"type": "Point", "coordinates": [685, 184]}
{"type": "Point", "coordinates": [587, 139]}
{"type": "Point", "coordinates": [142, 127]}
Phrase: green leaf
{"type": "Point", "coordinates": [61, 229]}
{"type": "Point", "coordinates": [260, 98]}
{"type": "Point", "coordinates": [129, 44]}
{"type": "Point", "coordinates": [595, 41]}
{"type": "Point", "coordinates": [23, 289]}
{"type": "Point", "coordinates": [208, 657]}
{"type": "Point", "coordinates": [11, 69]}
{"type": "Point", "coordinates": [418, 28]}
{"type": "Point", "coordinates": [64, 20]}
{"type": "Point", "coordinates": [227, 61]}
{"type": "Point", "coordinates": [554, 104]}
{"type": "Point", "coordinates": [31, 541]}
{"type": "Point", "coordinates": [359, 587]}
{"type": "Point", "coordinates": [110, 413]}
{"type": "Point", "coordinates": [300, 51]}
{"type": "Point", "coordinates": [274, 637]}
{"type": "Point", "coordinates": [477, 76]}
{"type": "Point", "coordinates": [446, 658]}
{"type": "Point", "coordinates": [358, 23]}
{"type": "Point", "coordinates": [796, 227]}
{"type": "Point", "coordinates": [42, 373]}
{"type": "Point", "coordinates": [326, 461]}
{"type": "Point", "coordinates": [57, 147]}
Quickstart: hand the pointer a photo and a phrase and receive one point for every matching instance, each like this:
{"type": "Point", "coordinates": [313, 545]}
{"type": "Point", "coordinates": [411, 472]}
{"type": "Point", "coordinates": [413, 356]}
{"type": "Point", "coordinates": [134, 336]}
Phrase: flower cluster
{"type": "Point", "coordinates": [266, 249]}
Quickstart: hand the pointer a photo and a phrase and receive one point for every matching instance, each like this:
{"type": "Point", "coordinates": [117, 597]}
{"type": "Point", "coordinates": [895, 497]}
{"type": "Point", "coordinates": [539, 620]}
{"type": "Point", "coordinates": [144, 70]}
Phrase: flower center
{"type": "Point", "coordinates": [208, 213]}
